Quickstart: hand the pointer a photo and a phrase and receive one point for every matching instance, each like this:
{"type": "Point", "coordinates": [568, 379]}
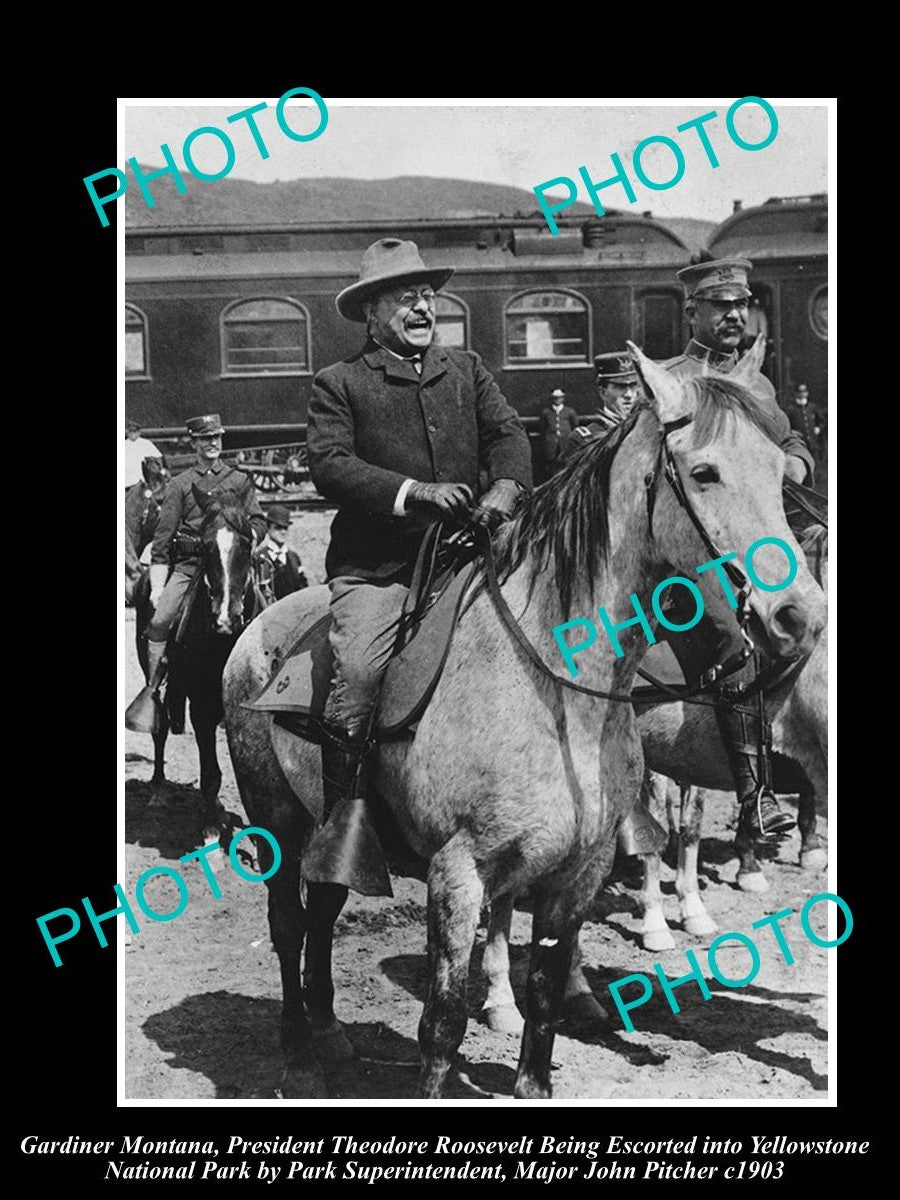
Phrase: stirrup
{"type": "Point", "coordinates": [772, 829]}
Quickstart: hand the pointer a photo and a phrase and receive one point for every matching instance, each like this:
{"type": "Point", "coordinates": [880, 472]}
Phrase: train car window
{"type": "Point", "coordinates": [452, 321]}
{"type": "Point", "coordinates": [661, 318]}
{"type": "Point", "coordinates": [547, 327]}
{"type": "Point", "coordinates": [135, 342]}
{"type": "Point", "coordinates": [818, 312]}
{"type": "Point", "coordinates": [265, 336]}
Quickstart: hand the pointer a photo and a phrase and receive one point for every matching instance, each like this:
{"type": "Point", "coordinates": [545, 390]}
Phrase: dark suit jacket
{"type": "Point", "coordinates": [277, 580]}
{"type": "Point", "coordinates": [374, 422]}
{"type": "Point", "coordinates": [554, 429]}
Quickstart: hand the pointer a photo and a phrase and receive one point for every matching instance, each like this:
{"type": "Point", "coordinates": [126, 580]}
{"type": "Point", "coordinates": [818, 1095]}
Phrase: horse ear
{"type": "Point", "coordinates": [751, 364]}
{"type": "Point", "coordinates": [663, 389]}
{"type": "Point", "coordinates": [201, 497]}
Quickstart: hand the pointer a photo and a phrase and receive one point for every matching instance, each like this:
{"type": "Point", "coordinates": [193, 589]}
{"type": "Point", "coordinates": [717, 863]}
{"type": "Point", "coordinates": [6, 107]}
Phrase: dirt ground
{"type": "Point", "coordinates": [203, 997]}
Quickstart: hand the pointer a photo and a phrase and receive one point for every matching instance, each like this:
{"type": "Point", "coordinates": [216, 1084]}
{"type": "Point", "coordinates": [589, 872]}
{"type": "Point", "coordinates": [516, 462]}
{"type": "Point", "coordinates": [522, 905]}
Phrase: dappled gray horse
{"type": "Point", "coordinates": [514, 782]}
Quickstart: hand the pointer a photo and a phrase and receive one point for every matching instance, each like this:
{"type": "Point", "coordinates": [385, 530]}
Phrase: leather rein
{"type": "Point", "coordinates": [660, 693]}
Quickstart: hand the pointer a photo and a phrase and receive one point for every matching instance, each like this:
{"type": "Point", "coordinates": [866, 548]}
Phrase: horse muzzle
{"type": "Point", "coordinates": [795, 626]}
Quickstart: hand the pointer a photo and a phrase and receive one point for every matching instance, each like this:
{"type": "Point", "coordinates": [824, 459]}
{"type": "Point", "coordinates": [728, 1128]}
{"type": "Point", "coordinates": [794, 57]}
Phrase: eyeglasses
{"type": "Point", "coordinates": [412, 296]}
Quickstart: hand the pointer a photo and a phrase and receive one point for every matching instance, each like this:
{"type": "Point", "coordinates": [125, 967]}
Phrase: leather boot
{"type": "Point", "coordinates": [641, 833]}
{"type": "Point", "coordinates": [155, 653]}
{"type": "Point", "coordinates": [761, 819]}
{"type": "Point", "coordinates": [143, 713]}
{"type": "Point", "coordinates": [346, 849]}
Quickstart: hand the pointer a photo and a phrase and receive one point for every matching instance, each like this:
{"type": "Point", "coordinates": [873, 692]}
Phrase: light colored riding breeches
{"type": "Point", "coordinates": [361, 637]}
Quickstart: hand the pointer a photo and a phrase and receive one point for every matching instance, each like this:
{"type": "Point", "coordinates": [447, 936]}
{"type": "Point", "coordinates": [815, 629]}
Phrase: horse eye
{"type": "Point", "coordinates": [705, 473]}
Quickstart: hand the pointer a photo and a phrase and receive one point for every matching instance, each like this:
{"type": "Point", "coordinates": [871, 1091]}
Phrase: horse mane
{"type": "Point", "coordinates": [567, 517]}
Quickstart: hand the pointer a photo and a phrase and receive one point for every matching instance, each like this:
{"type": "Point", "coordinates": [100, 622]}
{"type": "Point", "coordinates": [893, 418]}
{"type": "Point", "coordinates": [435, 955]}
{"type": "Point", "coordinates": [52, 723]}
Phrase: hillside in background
{"type": "Point", "coordinates": [407, 197]}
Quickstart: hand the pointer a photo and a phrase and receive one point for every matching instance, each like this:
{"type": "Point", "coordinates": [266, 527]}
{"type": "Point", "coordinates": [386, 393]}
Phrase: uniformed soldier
{"type": "Point", "coordinates": [618, 390]}
{"type": "Point", "coordinates": [716, 303]}
{"type": "Point", "coordinates": [176, 543]}
{"type": "Point", "coordinates": [276, 567]}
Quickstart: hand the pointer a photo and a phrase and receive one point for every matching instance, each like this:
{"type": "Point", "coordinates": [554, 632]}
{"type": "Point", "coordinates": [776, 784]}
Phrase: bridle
{"type": "Point", "coordinates": [659, 692]}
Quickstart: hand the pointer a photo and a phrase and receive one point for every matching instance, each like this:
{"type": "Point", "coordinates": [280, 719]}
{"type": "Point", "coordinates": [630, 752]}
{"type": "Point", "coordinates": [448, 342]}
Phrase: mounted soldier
{"type": "Point", "coordinates": [142, 507]}
{"type": "Point", "coordinates": [716, 305]}
{"type": "Point", "coordinates": [618, 390]}
{"type": "Point", "coordinates": [175, 558]}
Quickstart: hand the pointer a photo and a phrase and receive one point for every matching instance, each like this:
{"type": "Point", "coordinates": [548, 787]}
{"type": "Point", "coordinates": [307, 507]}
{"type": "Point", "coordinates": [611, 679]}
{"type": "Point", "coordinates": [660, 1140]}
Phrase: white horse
{"type": "Point", "coordinates": [514, 783]}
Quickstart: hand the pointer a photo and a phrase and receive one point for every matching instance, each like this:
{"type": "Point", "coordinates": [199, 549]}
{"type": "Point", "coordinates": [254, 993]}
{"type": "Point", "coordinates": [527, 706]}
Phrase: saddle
{"type": "Point", "coordinates": [298, 689]}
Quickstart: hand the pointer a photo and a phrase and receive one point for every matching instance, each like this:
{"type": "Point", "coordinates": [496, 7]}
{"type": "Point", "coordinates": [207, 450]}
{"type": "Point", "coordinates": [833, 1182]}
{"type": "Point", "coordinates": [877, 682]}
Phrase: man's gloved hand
{"type": "Point", "coordinates": [446, 499]}
{"type": "Point", "coordinates": [795, 468]}
{"type": "Point", "coordinates": [497, 504]}
{"type": "Point", "coordinates": [158, 574]}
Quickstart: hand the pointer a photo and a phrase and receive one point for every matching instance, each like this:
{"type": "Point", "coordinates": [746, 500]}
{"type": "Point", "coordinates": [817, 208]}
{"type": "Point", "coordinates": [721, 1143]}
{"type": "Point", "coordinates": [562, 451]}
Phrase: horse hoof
{"type": "Point", "coordinates": [528, 1088]}
{"type": "Point", "coordinates": [301, 1083]}
{"type": "Point", "coordinates": [814, 860]}
{"type": "Point", "coordinates": [503, 1018]}
{"type": "Point", "coordinates": [700, 926]}
{"type": "Point", "coordinates": [585, 1009]}
{"type": "Point", "coordinates": [657, 939]}
{"type": "Point", "coordinates": [752, 881]}
{"type": "Point", "coordinates": [332, 1046]}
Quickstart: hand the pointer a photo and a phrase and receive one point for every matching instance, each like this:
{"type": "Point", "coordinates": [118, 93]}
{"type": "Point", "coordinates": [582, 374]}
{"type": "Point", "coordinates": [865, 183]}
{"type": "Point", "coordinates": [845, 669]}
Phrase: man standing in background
{"type": "Point", "coordinates": [557, 420]}
{"type": "Point", "coordinates": [806, 419]}
{"type": "Point", "coordinates": [137, 448]}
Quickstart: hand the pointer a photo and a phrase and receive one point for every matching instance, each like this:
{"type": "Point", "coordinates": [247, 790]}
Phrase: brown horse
{"type": "Point", "coordinates": [142, 504]}
{"type": "Point", "coordinates": [513, 782]}
{"type": "Point", "coordinates": [222, 603]}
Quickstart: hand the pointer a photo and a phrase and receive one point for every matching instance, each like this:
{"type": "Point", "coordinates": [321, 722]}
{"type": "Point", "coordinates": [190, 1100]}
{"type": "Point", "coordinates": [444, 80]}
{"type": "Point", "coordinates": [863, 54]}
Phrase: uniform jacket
{"type": "Point", "coordinates": [180, 512]}
{"type": "Point", "coordinates": [691, 363]}
{"type": "Point", "coordinates": [554, 428]}
{"type": "Point", "coordinates": [278, 579]}
{"type": "Point", "coordinates": [806, 419]}
{"type": "Point", "coordinates": [582, 434]}
{"type": "Point", "coordinates": [374, 422]}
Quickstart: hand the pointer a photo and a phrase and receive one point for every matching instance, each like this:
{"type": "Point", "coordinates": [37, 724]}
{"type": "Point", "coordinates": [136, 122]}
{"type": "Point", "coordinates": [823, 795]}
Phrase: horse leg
{"type": "Point", "coordinates": [750, 876]}
{"type": "Point", "coordinates": [455, 892]}
{"type": "Point", "coordinates": [553, 940]}
{"type": "Point", "coordinates": [674, 799]}
{"type": "Point", "coordinates": [695, 918]}
{"type": "Point", "coordinates": [813, 851]}
{"type": "Point", "coordinates": [655, 933]}
{"type": "Point", "coordinates": [158, 782]}
{"type": "Point", "coordinates": [499, 1012]}
{"type": "Point", "coordinates": [214, 817]}
{"type": "Point", "coordinates": [579, 1002]}
{"type": "Point", "coordinates": [288, 923]}
{"type": "Point", "coordinates": [324, 902]}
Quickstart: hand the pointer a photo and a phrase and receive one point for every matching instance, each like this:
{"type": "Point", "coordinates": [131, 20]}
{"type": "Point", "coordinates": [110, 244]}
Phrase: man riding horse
{"type": "Point", "coordinates": [176, 543]}
{"type": "Point", "coordinates": [716, 296]}
{"type": "Point", "coordinates": [402, 434]}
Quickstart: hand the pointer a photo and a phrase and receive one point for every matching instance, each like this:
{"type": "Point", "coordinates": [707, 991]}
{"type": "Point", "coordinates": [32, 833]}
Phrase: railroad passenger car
{"type": "Point", "coordinates": [237, 319]}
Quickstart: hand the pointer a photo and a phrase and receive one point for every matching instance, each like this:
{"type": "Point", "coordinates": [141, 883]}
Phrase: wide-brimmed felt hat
{"type": "Point", "coordinates": [279, 515]}
{"type": "Point", "coordinates": [207, 426]}
{"type": "Point", "coordinates": [387, 261]}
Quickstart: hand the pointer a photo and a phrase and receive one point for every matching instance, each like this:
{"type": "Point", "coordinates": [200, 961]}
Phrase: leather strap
{"type": "Point", "coordinates": [658, 694]}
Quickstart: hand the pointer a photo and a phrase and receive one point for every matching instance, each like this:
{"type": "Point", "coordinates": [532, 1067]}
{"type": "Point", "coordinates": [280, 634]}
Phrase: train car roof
{"type": "Point", "coordinates": [783, 227]}
{"type": "Point", "coordinates": [326, 264]}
